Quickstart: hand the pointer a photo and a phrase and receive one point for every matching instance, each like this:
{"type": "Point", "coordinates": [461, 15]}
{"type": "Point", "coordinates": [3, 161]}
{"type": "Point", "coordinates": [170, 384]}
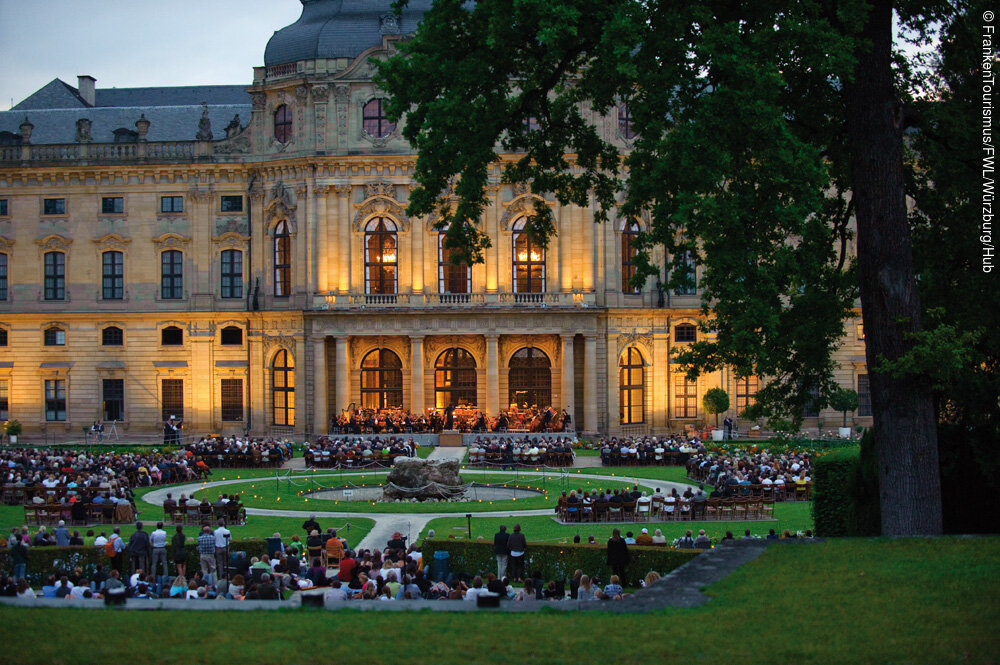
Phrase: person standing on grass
{"type": "Point", "coordinates": [501, 550]}
{"type": "Point", "coordinates": [618, 554]}
{"type": "Point", "coordinates": [206, 552]}
{"type": "Point", "coordinates": [158, 541]}
{"type": "Point", "coordinates": [517, 545]}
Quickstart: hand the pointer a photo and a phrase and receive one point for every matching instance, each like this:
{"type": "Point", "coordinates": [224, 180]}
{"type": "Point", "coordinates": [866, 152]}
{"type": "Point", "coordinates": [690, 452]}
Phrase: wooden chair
{"type": "Point", "coordinates": [712, 509]}
{"type": "Point", "coordinates": [643, 510]}
{"type": "Point", "coordinates": [334, 552]}
{"type": "Point", "coordinates": [740, 508]}
{"type": "Point", "coordinates": [727, 509]}
{"type": "Point", "coordinates": [614, 511]}
{"type": "Point", "coordinates": [767, 508]}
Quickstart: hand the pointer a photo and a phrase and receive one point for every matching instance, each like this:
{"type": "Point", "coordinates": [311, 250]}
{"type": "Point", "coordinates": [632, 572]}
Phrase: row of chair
{"type": "Point", "coordinates": [545, 458]}
{"type": "Point", "coordinates": [733, 509]}
{"type": "Point", "coordinates": [657, 457]}
{"type": "Point", "coordinates": [52, 513]}
{"type": "Point", "coordinates": [326, 459]}
{"type": "Point", "coordinates": [231, 513]}
{"type": "Point", "coordinates": [256, 459]}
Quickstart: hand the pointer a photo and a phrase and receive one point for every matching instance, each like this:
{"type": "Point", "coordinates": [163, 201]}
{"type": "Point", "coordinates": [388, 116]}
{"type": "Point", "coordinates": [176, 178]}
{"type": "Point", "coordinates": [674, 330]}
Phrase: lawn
{"type": "Point", "coordinates": [794, 516]}
{"type": "Point", "coordinates": [290, 494]}
{"type": "Point", "coordinates": [845, 601]}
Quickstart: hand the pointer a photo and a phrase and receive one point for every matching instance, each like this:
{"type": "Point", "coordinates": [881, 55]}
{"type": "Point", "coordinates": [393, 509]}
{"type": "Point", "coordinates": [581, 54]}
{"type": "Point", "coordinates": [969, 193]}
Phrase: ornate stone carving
{"type": "Point", "coordinates": [170, 241]}
{"type": "Point", "coordinates": [511, 344]}
{"type": "Point", "coordinates": [642, 340]}
{"type": "Point", "coordinates": [112, 241]}
{"type": "Point", "coordinates": [53, 243]}
{"type": "Point", "coordinates": [388, 24]}
{"type": "Point", "coordinates": [201, 195]}
{"type": "Point", "coordinates": [83, 134]}
{"type": "Point", "coordinates": [380, 188]}
{"type": "Point", "coordinates": [225, 225]}
{"type": "Point", "coordinates": [302, 93]}
{"type": "Point", "coordinates": [519, 207]}
{"type": "Point", "coordinates": [281, 204]}
{"type": "Point", "coordinates": [238, 145]}
{"type": "Point", "coordinates": [259, 100]}
{"type": "Point", "coordinates": [231, 240]}
{"type": "Point", "coordinates": [377, 207]}
{"type": "Point", "coordinates": [273, 342]}
{"type": "Point", "coordinates": [343, 190]}
{"type": "Point", "coordinates": [320, 93]}
{"type": "Point", "coordinates": [435, 345]}
{"type": "Point", "coordinates": [342, 94]}
{"type": "Point", "coordinates": [204, 125]}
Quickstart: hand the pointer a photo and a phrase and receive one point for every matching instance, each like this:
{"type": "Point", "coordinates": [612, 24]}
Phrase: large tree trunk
{"type": "Point", "coordinates": [905, 429]}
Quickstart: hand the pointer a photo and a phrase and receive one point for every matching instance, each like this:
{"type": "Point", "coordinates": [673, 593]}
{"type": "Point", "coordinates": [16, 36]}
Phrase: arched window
{"type": "Point", "coordinates": [452, 278]}
{"type": "Point", "coordinates": [685, 332]}
{"type": "Point", "coordinates": [112, 276]}
{"type": "Point", "coordinates": [374, 120]}
{"type": "Point", "coordinates": [625, 128]}
{"type": "Point", "coordinates": [630, 250]}
{"type": "Point", "coordinates": [54, 336]}
{"type": "Point", "coordinates": [529, 382]}
{"type": "Point", "coordinates": [171, 275]}
{"type": "Point", "coordinates": [282, 260]}
{"type": "Point", "coordinates": [283, 389]}
{"type": "Point", "coordinates": [529, 262]}
{"type": "Point", "coordinates": [380, 256]}
{"type": "Point", "coordinates": [55, 276]}
{"type": "Point", "coordinates": [171, 336]}
{"type": "Point", "coordinates": [231, 336]}
{"type": "Point", "coordinates": [455, 379]}
{"type": "Point", "coordinates": [283, 124]}
{"type": "Point", "coordinates": [232, 274]}
{"type": "Point", "coordinates": [381, 380]}
{"type": "Point", "coordinates": [631, 381]}
{"type": "Point", "coordinates": [112, 336]}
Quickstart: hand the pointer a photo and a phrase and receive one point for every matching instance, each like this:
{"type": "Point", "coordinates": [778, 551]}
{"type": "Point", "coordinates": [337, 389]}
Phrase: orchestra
{"type": "Point", "coordinates": [464, 419]}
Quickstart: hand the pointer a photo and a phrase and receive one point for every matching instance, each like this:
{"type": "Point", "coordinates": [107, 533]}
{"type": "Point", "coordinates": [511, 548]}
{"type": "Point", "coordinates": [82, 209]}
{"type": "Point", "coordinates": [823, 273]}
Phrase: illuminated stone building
{"type": "Point", "coordinates": [240, 256]}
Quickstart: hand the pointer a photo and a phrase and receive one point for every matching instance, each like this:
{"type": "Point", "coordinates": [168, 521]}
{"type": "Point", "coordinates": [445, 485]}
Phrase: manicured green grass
{"type": "Point", "coordinates": [674, 474]}
{"type": "Point", "coordinates": [794, 516]}
{"type": "Point", "coordinates": [283, 495]}
{"type": "Point", "coordinates": [847, 601]}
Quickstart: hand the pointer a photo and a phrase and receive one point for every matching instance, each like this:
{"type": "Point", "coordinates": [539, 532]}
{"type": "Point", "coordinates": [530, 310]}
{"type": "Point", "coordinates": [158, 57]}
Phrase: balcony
{"type": "Point", "coordinates": [104, 153]}
{"type": "Point", "coordinates": [343, 301]}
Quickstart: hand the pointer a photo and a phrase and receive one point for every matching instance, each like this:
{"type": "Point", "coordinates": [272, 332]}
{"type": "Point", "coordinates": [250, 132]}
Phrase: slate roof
{"type": "Point", "coordinates": [58, 94]}
{"type": "Point", "coordinates": [338, 29]}
{"type": "Point", "coordinates": [167, 123]}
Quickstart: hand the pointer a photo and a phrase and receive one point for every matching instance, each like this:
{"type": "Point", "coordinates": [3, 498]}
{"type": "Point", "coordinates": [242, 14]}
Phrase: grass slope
{"type": "Point", "coordinates": [848, 601]}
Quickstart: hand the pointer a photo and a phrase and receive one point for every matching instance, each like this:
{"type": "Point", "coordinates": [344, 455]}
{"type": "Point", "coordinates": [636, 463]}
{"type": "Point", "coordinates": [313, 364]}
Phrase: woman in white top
{"type": "Point", "coordinates": [659, 538]}
{"type": "Point", "coordinates": [25, 591]}
{"type": "Point", "coordinates": [586, 590]}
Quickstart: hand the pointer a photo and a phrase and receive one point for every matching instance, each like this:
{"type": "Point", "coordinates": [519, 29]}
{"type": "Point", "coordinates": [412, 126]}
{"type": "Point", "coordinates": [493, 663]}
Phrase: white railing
{"type": "Point", "coordinates": [460, 300]}
{"type": "Point", "coordinates": [105, 152]}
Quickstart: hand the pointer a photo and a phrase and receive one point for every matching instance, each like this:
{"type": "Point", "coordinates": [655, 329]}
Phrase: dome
{"type": "Point", "coordinates": [340, 29]}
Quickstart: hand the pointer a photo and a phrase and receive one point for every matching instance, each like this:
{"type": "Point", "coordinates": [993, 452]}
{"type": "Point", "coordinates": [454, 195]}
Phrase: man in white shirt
{"type": "Point", "coordinates": [158, 541]}
{"type": "Point", "coordinates": [222, 536]}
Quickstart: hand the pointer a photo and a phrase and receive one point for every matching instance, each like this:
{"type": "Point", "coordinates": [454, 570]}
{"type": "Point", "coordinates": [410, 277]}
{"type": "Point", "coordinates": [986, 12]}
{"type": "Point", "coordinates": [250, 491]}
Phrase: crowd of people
{"type": "Point", "coordinates": [347, 452]}
{"type": "Point", "coordinates": [727, 473]}
{"type": "Point", "coordinates": [648, 450]}
{"type": "Point", "coordinates": [461, 418]}
{"type": "Point", "coordinates": [511, 450]}
{"type": "Point", "coordinates": [240, 451]}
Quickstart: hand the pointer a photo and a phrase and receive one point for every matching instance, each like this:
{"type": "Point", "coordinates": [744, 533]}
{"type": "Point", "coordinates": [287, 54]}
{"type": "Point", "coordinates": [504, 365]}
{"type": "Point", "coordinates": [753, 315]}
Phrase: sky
{"type": "Point", "coordinates": [134, 43]}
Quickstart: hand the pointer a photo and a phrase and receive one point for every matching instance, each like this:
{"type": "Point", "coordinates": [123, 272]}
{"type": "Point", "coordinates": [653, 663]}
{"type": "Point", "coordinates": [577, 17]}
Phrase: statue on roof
{"type": "Point", "coordinates": [204, 125]}
{"type": "Point", "coordinates": [234, 127]}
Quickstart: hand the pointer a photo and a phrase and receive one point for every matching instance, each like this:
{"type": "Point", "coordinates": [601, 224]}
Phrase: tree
{"type": "Point", "coordinates": [844, 400]}
{"type": "Point", "coordinates": [715, 400]}
{"type": "Point", "coordinates": [763, 131]}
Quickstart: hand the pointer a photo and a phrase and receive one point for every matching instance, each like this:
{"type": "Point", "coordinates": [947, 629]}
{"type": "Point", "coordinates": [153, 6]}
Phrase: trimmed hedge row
{"type": "Point", "coordinates": [845, 491]}
{"type": "Point", "coordinates": [45, 561]}
{"type": "Point", "coordinates": [557, 561]}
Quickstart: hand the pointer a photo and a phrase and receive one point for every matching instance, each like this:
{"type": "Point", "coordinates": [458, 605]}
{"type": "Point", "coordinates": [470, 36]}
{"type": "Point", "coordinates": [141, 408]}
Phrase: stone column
{"type": "Point", "coordinates": [568, 378]}
{"type": "Point", "coordinates": [492, 258]}
{"type": "Point", "coordinates": [344, 240]}
{"type": "Point", "coordinates": [590, 383]}
{"type": "Point", "coordinates": [417, 252]}
{"type": "Point", "coordinates": [320, 423]}
{"type": "Point", "coordinates": [343, 370]}
{"type": "Point", "coordinates": [322, 241]}
{"type": "Point", "coordinates": [492, 376]}
{"type": "Point", "coordinates": [614, 416]}
{"type": "Point", "coordinates": [417, 375]}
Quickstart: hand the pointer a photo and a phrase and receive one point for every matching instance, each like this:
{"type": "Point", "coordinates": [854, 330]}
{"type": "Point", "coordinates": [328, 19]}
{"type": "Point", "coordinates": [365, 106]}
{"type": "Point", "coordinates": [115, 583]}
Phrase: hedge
{"type": "Point", "coordinates": [557, 561]}
{"type": "Point", "coordinates": [45, 561]}
{"type": "Point", "coordinates": [845, 491]}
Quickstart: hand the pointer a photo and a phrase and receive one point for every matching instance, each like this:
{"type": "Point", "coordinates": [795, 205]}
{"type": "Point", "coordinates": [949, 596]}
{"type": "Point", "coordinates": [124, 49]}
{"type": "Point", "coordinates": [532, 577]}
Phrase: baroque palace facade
{"type": "Point", "coordinates": [240, 257]}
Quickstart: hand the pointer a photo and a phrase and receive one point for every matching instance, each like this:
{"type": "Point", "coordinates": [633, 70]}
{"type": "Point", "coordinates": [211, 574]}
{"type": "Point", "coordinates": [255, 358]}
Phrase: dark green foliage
{"type": "Point", "coordinates": [715, 401]}
{"type": "Point", "coordinates": [558, 561]}
{"type": "Point", "coordinates": [844, 400]}
{"type": "Point", "coordinates": [845, 491]}
{"type": "Point", "coordinates": [45, 561]}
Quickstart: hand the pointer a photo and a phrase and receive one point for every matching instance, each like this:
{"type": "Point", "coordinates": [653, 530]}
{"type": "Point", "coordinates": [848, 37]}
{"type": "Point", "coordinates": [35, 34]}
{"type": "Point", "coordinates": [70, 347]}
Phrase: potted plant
{"type": "Point", "coordinates": [13, 429]}
{"type": "Point", "coordinates": [716, 401]}
{"type": "Point", "coordinates": [844, 400]}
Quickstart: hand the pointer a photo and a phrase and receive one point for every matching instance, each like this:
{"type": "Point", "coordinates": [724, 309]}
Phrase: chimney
{"type": "Point", "coordinates": [86, 87]}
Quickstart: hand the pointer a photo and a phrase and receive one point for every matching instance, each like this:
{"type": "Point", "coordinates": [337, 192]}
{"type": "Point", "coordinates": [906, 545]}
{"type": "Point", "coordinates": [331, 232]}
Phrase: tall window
{"type": "Point", "coordinates": [380, 256]}
{"type": "Point", "coordinates": [54, 336]}
{"type": "Point", "coordinates": [55, 276]}
{"type": "Point", "coordinates": [374, 120]}
{"type": "Point", "coordinates": [112, 336]}
{"type": "Point", "coordinates": [171, 275]}
{"type": "Point", "coordinates": [630, 250]}
{"type": "Point", "coordinates": [529, 382]}
{"type": "Point", "coordinates": [455, 379]}
{"type": "Point", "coordinates": [685, 397]}
{"type": "Point", "coordinates": [632, 387]}
{"type": "Point", "coordinates": [283, 389]}
{"type": "Point", "coordinates": [625, 128]}
{"type": "Point", "coordinates": [686, 332]}
{"type": "Point", "coordinates": [55, 400]}
{"type": "Point", "coordinates": [689, 270]}
{"type": "Point", "coordinates": [3, 337]}
{"type": "Point", "coordinates": [746, 393]}
{"type": "Point", "coordinates": [283, 124]}
{"type": "Point", "coordinates": [232, 400]}
{"type": "Point", "coordinates": [864, 396]}
{"type": "Point", "coordinates": [529, 262]}
{"type": "Point", "coordinates": [3, 276]}
{"type": "Point", "coordinates": [113, 276]}
{"type": "Point", "coordinates": [381, 380]}
{"type": "Point", "coordinates": [452, 278]}
{"type": "Point", "coordinates": [282, 260]}
{"type": "Point", "coordinates": [114, 399]}
{"type": "Point", "coordinates": [811, 408]}
{"type": "Point", "coordinates": [172, 398]}
{"type": "Point", "coordinates": [4, 399]}
{"type": "Point", "coordinates": [232, 274]}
